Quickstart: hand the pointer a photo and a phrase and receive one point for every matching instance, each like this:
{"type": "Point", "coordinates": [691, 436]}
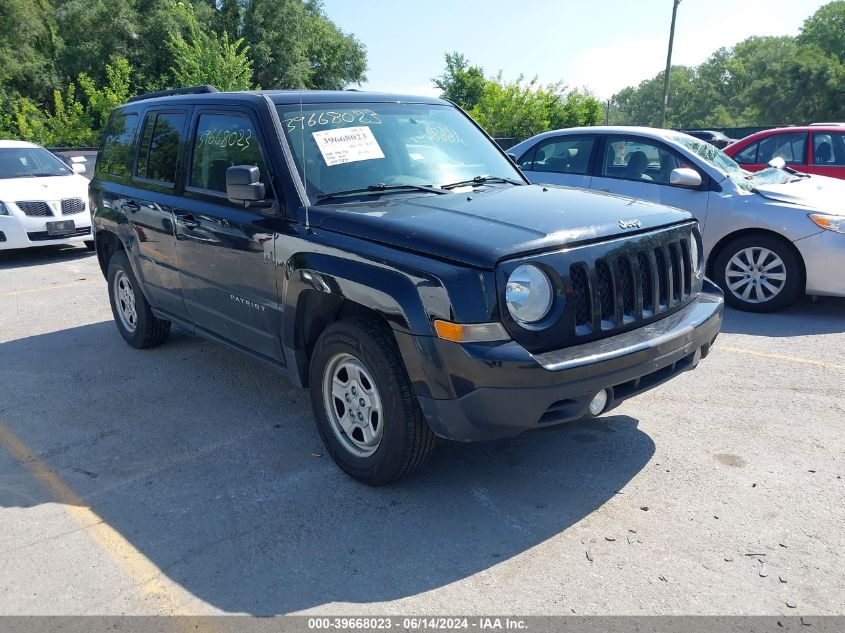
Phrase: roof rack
{"type": "Point", "coordinates": [191, 90]}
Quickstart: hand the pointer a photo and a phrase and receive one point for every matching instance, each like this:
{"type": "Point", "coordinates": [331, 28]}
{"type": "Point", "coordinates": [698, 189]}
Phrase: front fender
{"type": "Point", "coordinates": [392, 294]}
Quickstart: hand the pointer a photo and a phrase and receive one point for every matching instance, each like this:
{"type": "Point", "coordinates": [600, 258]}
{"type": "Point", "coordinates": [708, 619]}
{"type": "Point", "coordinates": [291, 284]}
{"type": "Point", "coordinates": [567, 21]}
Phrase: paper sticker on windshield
{"type": "Point", "coordinates": [347, 145]}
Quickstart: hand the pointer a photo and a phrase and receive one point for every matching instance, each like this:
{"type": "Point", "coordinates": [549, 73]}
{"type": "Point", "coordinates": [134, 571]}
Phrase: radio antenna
{"type": "Point", "coordinates": [300, 78]}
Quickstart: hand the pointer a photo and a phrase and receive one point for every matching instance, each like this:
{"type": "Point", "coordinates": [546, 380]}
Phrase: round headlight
{"type": "Point", "coordinates": [528, 294]}
{"type": "Point", "coordinates": [693, 254]}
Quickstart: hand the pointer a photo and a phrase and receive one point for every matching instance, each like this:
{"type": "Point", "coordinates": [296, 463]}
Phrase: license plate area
{"type": "Point", "coordinates": [61, 228]}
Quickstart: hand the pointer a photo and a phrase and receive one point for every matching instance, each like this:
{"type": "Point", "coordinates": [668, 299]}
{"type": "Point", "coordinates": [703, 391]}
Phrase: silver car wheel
{"type": "Point", "coordinates": [353, 405]}
{"type": "Point", "coordinates": [755, 275]}
{"type": "Point", "coordinates": [124, 298]}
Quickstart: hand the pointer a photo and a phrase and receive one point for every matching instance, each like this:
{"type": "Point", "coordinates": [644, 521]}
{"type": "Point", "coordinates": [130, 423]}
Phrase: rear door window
{"type": "Point", "coordinates": [829, 149]}
{"type": "Point", "coordinates": [159, 150]}
{"type": "Point", "coordinates": [562, 155]}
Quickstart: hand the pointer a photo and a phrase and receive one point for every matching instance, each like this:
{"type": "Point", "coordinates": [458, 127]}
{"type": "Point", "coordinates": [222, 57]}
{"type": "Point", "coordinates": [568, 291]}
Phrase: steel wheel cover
{"type": "Point", "coordinates": [353, 405]}
{"type": "Point", "coordinates": [124, 300]}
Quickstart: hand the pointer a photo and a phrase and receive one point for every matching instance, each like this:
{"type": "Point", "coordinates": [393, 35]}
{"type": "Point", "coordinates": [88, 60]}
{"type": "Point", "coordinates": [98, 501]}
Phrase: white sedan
{"type": "Point", "coordinates": [769, 237]}
{"type": "Point", "coordinates": [42, 200]}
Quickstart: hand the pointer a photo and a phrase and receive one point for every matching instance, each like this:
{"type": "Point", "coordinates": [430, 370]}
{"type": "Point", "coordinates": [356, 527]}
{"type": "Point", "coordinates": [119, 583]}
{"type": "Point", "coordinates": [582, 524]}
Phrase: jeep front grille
{"type": "Point", "coordinates": [623, 289]}
{"type": "Point", "coordinates": [71, 206]}
{"type": "Point", "coordinates": [35, 208]}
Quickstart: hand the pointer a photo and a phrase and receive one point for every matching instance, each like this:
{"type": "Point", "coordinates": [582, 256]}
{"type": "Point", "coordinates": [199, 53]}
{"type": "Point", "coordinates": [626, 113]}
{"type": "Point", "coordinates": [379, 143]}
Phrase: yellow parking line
{"type": "Point", "coordinates": [148, 577]}
{"type": "Point", "coordinates": [791, 359]}
{"type": "Point", "coordinates": [26, 291]}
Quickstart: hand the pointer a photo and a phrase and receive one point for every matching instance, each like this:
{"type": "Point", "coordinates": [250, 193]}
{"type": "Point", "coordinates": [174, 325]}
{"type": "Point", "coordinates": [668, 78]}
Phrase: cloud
{"type": "Point", "coordinates": [607, 69]}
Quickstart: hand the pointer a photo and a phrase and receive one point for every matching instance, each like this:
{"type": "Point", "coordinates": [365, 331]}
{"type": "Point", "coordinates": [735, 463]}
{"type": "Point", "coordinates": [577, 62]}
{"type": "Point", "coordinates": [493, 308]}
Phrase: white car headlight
{"type": "Point", "coordinates": [834, 223]}
{"type": "Point", "coordinates": [528, 294]}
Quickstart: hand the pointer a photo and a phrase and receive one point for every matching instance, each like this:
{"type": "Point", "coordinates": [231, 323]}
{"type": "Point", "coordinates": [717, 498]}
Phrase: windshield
{"type": "Point", "coordinates": [744, 179]}
{"type": "Point", "coordinates": [347, 147]}
{"type": "Point", "coordinates": [30, 162]}
{"type": "Point", "coordinates": [709, 153]}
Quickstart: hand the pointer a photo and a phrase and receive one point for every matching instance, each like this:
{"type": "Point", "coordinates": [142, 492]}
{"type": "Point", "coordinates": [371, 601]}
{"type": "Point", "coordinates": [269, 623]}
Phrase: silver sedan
{"type": "Point", "coordinates": [769, 237]}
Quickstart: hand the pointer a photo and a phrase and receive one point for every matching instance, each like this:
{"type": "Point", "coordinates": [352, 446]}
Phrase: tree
{"type": "Point", "coordinates": [826, 29]}
{"type": "Point", "coordinates": [461, 83]}
{"type": "Point", "coordinates": [208, 58]}
{"type": "Point", "coordinates": [29, 46]}
{"type": "Point", "coordinates": [294, 45]}
{"type": "Point", "coordinates": [516, 110]}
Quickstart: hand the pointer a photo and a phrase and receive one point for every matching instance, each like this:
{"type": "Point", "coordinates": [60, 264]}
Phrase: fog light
{"type": "Point", "coordinates": [599, 402]}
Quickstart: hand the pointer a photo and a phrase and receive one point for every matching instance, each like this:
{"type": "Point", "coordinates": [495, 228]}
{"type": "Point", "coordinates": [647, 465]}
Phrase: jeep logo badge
{"type": "Point", "coordinates": [629, 224]}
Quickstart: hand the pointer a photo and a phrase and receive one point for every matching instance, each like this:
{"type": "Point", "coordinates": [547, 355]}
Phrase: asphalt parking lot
{"type": "Point", "coordinates": [190, 479]}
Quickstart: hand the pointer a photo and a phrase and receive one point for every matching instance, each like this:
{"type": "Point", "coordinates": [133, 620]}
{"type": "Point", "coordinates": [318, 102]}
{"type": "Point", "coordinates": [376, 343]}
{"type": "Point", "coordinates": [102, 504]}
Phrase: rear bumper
{"type": "Point", "coordinates": [505, 391]}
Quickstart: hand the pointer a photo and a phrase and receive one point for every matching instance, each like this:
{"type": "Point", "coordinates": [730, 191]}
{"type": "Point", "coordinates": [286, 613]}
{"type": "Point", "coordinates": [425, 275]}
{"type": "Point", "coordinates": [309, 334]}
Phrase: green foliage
{"type": "Point", "coordinates": [515, 109]}
{"type": "Point", "coordinates": [55, 87]}
{"type": "Point", "coordinates": [461, 83]}
{"type": "Point", "coordinates": [69, 121]}
{"type": "Point", "coordinates": [760, 81]}
{"type": "Point", "coordinates": [826, 29]}
{"type": "Point", "coordinates": [208, 58]}
{"type": "Point", "coordinates": [294, 45]}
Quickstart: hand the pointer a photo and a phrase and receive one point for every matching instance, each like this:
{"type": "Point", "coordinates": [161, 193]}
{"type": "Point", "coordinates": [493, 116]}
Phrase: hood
{"type": "Point", "coordinates": [481, 228]}
{"type": "Point", "coordinates": [818, 193]}
{"type": "Point", "coordinates": [47, 188]}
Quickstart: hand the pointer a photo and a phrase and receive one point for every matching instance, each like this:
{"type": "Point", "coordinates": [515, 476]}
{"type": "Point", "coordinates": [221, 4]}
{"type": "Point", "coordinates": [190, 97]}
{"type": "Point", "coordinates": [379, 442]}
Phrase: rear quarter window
{"type": "Point", "coordinates": [116, 146]}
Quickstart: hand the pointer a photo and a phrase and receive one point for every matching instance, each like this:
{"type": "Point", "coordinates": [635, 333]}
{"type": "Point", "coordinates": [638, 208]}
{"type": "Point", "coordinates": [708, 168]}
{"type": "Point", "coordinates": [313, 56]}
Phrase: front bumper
{"type": "Point", "coordinates": [503, 390]}
{"type": "Point", "coordinates": [824, 258]}
{"type": "Point", "coordinates": [18, 231]}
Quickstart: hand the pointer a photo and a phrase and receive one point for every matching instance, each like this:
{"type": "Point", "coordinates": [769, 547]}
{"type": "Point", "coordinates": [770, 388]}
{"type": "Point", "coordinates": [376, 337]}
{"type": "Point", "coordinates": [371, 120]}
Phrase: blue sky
{"type": "Point", "coordinates": [601, 44]}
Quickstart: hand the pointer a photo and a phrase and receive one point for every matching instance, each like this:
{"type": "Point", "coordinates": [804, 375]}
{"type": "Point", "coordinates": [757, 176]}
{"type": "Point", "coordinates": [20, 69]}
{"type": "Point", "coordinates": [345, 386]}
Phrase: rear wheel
{"type": "Point", "coordinates": [759, 273]}
{"type": "Point", "coordinates": [364, 406]}
{"type": "Point", "coordinates": [132, 313]}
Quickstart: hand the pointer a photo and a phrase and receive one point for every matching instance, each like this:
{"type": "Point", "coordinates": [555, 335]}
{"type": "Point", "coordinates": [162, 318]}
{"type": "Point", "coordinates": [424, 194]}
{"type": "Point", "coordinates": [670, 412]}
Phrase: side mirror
{"type": "Point", "coordinates": [777, 162]}
{"type": "Point", "coordinates": [78, 168]}
{"type": "Point", "coordinates": [242, 184]}
{"type": "Point", "coordinates": [685, 177]}
{"type": "Point", "coordinates": [512, 156]}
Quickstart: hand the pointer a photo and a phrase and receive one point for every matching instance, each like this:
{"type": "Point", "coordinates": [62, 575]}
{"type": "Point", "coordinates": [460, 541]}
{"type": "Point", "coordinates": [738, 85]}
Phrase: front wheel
{"type": "Point", "coordinates": [364, 406]}
{"type": "Point", "coordinates": [759, 273]}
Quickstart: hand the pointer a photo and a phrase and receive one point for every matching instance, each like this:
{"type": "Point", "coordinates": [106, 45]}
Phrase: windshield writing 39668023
{"type": "Point", "coordinates": [332, 117]}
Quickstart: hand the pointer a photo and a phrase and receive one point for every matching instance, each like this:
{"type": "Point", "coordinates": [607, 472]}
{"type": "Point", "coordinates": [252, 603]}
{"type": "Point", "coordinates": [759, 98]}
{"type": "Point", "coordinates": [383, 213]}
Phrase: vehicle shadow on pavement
{"type": "Point", "coordinates": [25, 257]}
{"type": "Point", "coordinates": [210, 465]}
{"type": "Point", "coordinates": [827, 316]}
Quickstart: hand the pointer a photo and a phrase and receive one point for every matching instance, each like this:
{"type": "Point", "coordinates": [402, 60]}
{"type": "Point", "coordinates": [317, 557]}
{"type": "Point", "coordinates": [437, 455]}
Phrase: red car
{"type": "Point", "coordinates": [813, 149]}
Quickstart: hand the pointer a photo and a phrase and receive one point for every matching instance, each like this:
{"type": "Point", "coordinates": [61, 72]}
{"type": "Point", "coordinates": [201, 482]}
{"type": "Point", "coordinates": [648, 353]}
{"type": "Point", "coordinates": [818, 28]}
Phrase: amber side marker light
{"type": "Point", "coordinates": [834, 223]}
{"type": "Point", "coordinates": [470, 332]}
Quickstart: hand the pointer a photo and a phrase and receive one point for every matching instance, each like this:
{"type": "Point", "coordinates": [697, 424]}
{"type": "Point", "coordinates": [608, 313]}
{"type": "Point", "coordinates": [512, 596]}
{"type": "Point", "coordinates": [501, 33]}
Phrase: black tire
{"type": "Point", "coordinates": [89, 244]}
{"type": "Point", "coordinates": [149, 331]}
{"type": "Point", "coordinates": [792, 286]}
{"type": "Point", "coordinates": [406, 442]}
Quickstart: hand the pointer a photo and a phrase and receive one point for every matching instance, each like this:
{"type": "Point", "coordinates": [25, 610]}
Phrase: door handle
{"type": "Point", "coordinates": [188, 221]}
{"type": "Point", "coordinates": [132, 206]}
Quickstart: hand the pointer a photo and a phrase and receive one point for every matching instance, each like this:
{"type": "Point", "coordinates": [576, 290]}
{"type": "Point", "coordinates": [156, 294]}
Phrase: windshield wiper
{"type": "Point", "coordinates": [376, 189]}
{"type": "Point", "coordinates": [480, 180]}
